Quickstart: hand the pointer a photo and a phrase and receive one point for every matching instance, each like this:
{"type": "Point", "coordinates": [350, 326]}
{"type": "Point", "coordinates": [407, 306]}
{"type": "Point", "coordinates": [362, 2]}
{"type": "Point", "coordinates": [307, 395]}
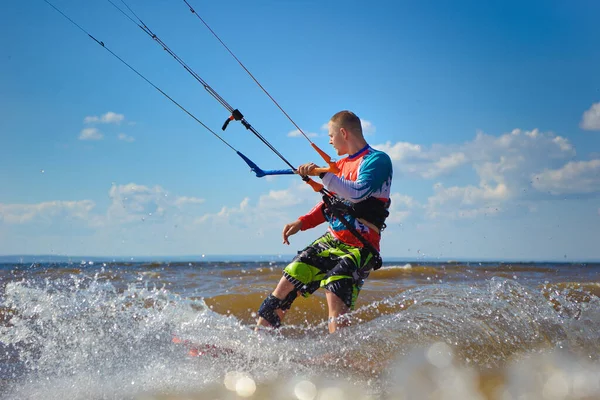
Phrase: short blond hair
{"type": "Point", "coordinates": [347, 120]}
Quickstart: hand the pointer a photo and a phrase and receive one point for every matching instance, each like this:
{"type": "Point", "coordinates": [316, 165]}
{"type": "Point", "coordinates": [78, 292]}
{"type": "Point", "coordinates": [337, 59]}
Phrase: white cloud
{"type": "Point", "coordinates": [297, 133]}
{"type": "Point", "coordinates": [241, 216]}
{"type": "Point", "coordinates": [368, 127]}
{"type": "Point", "coordinates": [513, 158]}
{"type": "Point", "coordinates": [46, 211]}
{"type": "Point", "coordinates": [129, 203]}
{"type": "Point", "coordinates": [272, 209]}
{"type": "Point", "coordinates": [126, 138]}
{"type": "Point", "coordinates": [134, 203]}
{"type": "Point", "coordinates": [400, 150]}
{"type": "Point", "coordinates": [149, 220]}
{"type": "Point", "coordinates": [591, 118]}
{"type": "Point", "coordinates": [510, 158]}
{"type": "Point", "coordinates": [90, 134]}
{"type": "Point", "coordinates": [403, 201]}
{"type": "Point", "coordinates": [401, 208]}
{"type": "Point", "coordinates": [279, 199]}
{"type": "Point", "coordinates": [243, 207]}
{"type": "Point", "coordinates": [574, 177]}
{"type": "Point", "coordinates": [564, 144]}
{"type": "Point", "coordinates": [138, 204]}
{"type": "Point", "coordinates": [112, 118]}
{"type": "Point", "coordinates": [415, 160]}
{"type": "Point", "coordinates": [533, 144]}
{"type": "Point", "coordinates": [183, 201]}
{"type": "Point", "coordinates": [444, 165]}
{"type": "Point", "coordinates": [108, 118]}
{"type": "Point", "coordinates": [468, 195]}
{"type": "Point", "coordinates": [466, 202]}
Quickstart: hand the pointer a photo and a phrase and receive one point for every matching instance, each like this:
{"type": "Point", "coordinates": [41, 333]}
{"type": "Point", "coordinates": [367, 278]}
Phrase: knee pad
{"type": "Point", "coordinates": [267, 310]}
{"type": "Point", "coordinates": [272, 303]}
{"type": "Point", "coordinates": [289, 299]}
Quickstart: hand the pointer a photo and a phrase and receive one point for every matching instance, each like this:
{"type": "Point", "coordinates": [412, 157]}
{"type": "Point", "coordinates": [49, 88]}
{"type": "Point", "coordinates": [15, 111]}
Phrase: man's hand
{"type": "Point", "coordinates": [291, 229]}
{"type": "Point", "coordinates": [307, 169]}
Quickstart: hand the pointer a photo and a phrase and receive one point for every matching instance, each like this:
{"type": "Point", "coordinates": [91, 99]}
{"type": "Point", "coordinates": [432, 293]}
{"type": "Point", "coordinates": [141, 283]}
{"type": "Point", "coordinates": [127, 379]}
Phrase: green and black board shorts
{"type": "Point", "coordinates": [333, 265]}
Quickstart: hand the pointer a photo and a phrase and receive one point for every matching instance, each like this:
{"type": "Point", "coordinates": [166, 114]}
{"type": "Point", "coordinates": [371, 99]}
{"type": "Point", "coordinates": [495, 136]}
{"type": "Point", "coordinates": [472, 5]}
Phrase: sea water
{"type": "Point", "coordinates": [104, 330]}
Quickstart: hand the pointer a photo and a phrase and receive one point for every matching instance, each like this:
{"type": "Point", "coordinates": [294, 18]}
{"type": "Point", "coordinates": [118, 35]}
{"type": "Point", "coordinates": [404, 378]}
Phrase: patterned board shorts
{"type": "Point", "coordinates": [333, 265]}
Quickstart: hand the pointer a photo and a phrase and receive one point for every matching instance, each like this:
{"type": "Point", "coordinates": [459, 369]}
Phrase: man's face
{"type": "Point", "coordinates": [337, 140]}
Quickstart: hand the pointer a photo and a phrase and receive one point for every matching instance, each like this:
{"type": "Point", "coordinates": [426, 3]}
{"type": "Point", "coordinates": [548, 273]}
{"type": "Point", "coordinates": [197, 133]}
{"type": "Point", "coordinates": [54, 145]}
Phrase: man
{"type": "Point", "coordinates": [341, 259]}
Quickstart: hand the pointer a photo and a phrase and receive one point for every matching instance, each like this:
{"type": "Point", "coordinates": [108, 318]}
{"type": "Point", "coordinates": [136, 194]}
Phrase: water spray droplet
{"type": "Point", "coordinates": [440, 354]}
{"type": "Point", "coordinates": [305, 390]}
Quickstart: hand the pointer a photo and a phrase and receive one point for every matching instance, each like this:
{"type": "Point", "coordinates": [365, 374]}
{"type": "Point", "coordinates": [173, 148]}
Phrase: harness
{"type": "Point", "coordinates": [371, 209]}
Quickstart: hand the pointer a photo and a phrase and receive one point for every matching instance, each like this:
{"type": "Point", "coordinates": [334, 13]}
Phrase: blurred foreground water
{"type": "Point", "coordinates": [420, 331]}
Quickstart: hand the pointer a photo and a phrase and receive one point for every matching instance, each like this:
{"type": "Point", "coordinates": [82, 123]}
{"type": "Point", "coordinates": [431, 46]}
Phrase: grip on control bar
{"type": "Point", "coordinates": [332, 166]}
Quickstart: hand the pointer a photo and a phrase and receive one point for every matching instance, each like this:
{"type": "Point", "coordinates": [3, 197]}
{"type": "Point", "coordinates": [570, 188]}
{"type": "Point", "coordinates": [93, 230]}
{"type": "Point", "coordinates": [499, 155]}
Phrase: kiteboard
{"type": "Point", "coordinates": [203, 349]}
{"type": "Point", "coordinates": [208, 351]}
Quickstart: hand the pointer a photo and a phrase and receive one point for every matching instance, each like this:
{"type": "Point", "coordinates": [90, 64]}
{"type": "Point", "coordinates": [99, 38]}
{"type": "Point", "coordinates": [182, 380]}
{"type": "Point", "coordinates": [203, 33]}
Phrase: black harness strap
{"type": "Point", "coordinates": [373, 210]}
{"type": "Point", "coordinates": [333, 205]}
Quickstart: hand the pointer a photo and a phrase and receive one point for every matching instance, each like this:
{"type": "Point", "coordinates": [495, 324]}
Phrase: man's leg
{"type": "Point", "coordinates": [281, 292]}
{"type": "Point", "coordinates": [337, 308]}
{"type": "Point", "coordinates": [301, 277]}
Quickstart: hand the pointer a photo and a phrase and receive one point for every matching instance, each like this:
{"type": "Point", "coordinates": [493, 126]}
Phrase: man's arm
{"type": "Point", "coordinates": [374, 173]}
{"type": "Point", "coordinates": [313, 218]}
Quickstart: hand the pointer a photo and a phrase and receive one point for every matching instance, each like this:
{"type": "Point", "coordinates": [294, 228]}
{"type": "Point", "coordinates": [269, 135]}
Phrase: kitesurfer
{"type": "Point", "coordinates": [338, 261]}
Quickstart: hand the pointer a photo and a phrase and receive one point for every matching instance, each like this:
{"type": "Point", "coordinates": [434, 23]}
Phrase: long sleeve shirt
{"type": "Point", "coordinates": [367, 173]}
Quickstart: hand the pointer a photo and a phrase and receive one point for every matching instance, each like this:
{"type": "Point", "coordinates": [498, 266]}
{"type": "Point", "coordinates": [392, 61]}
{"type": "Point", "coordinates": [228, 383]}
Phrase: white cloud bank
{"type": "Point", "coordinates": [514, 166]}
{"type": "Point", "coordinates": [129, 203]}
{"type": "Point", "coordinates": [492, 156]}
{"type": "Point", "coordinates": [487, 176]}
{"type": "Point", "coordinates": [272, 209]}
{"type": "Point", "coordinates": [591, 118]}
{"type": "Point", "coordinates": [416, 161]}
{"type": "Point", "coordinates": [135, 203]}
{"type": "Point", "coordinates": [144, 219]}
{"type": "Point", "coordinates": [401, 208]}
{"type": "Point", "coordinates": [576, 177]}
{"type": "Point", "coordinates": [466, 202]}
{"type": "Point", "coordinates": [46, 212]}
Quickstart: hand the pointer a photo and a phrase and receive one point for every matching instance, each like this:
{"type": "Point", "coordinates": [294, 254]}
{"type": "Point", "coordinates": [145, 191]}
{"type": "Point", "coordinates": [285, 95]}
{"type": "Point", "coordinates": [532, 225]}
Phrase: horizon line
{"type": "Point", "coordinates": [268, 257]}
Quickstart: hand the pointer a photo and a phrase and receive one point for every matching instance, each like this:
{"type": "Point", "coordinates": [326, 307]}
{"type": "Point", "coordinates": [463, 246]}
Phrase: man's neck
{"type": "Point", "coordinates": [355, 147]}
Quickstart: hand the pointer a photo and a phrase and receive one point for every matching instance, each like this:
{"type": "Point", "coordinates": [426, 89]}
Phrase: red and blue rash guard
{"type": "Point", "coordinates": [367, 173]}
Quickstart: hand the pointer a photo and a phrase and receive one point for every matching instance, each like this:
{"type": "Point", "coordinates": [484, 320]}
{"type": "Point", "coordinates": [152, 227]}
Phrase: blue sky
{"type": "Point", "coordinates": [490, 112]}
